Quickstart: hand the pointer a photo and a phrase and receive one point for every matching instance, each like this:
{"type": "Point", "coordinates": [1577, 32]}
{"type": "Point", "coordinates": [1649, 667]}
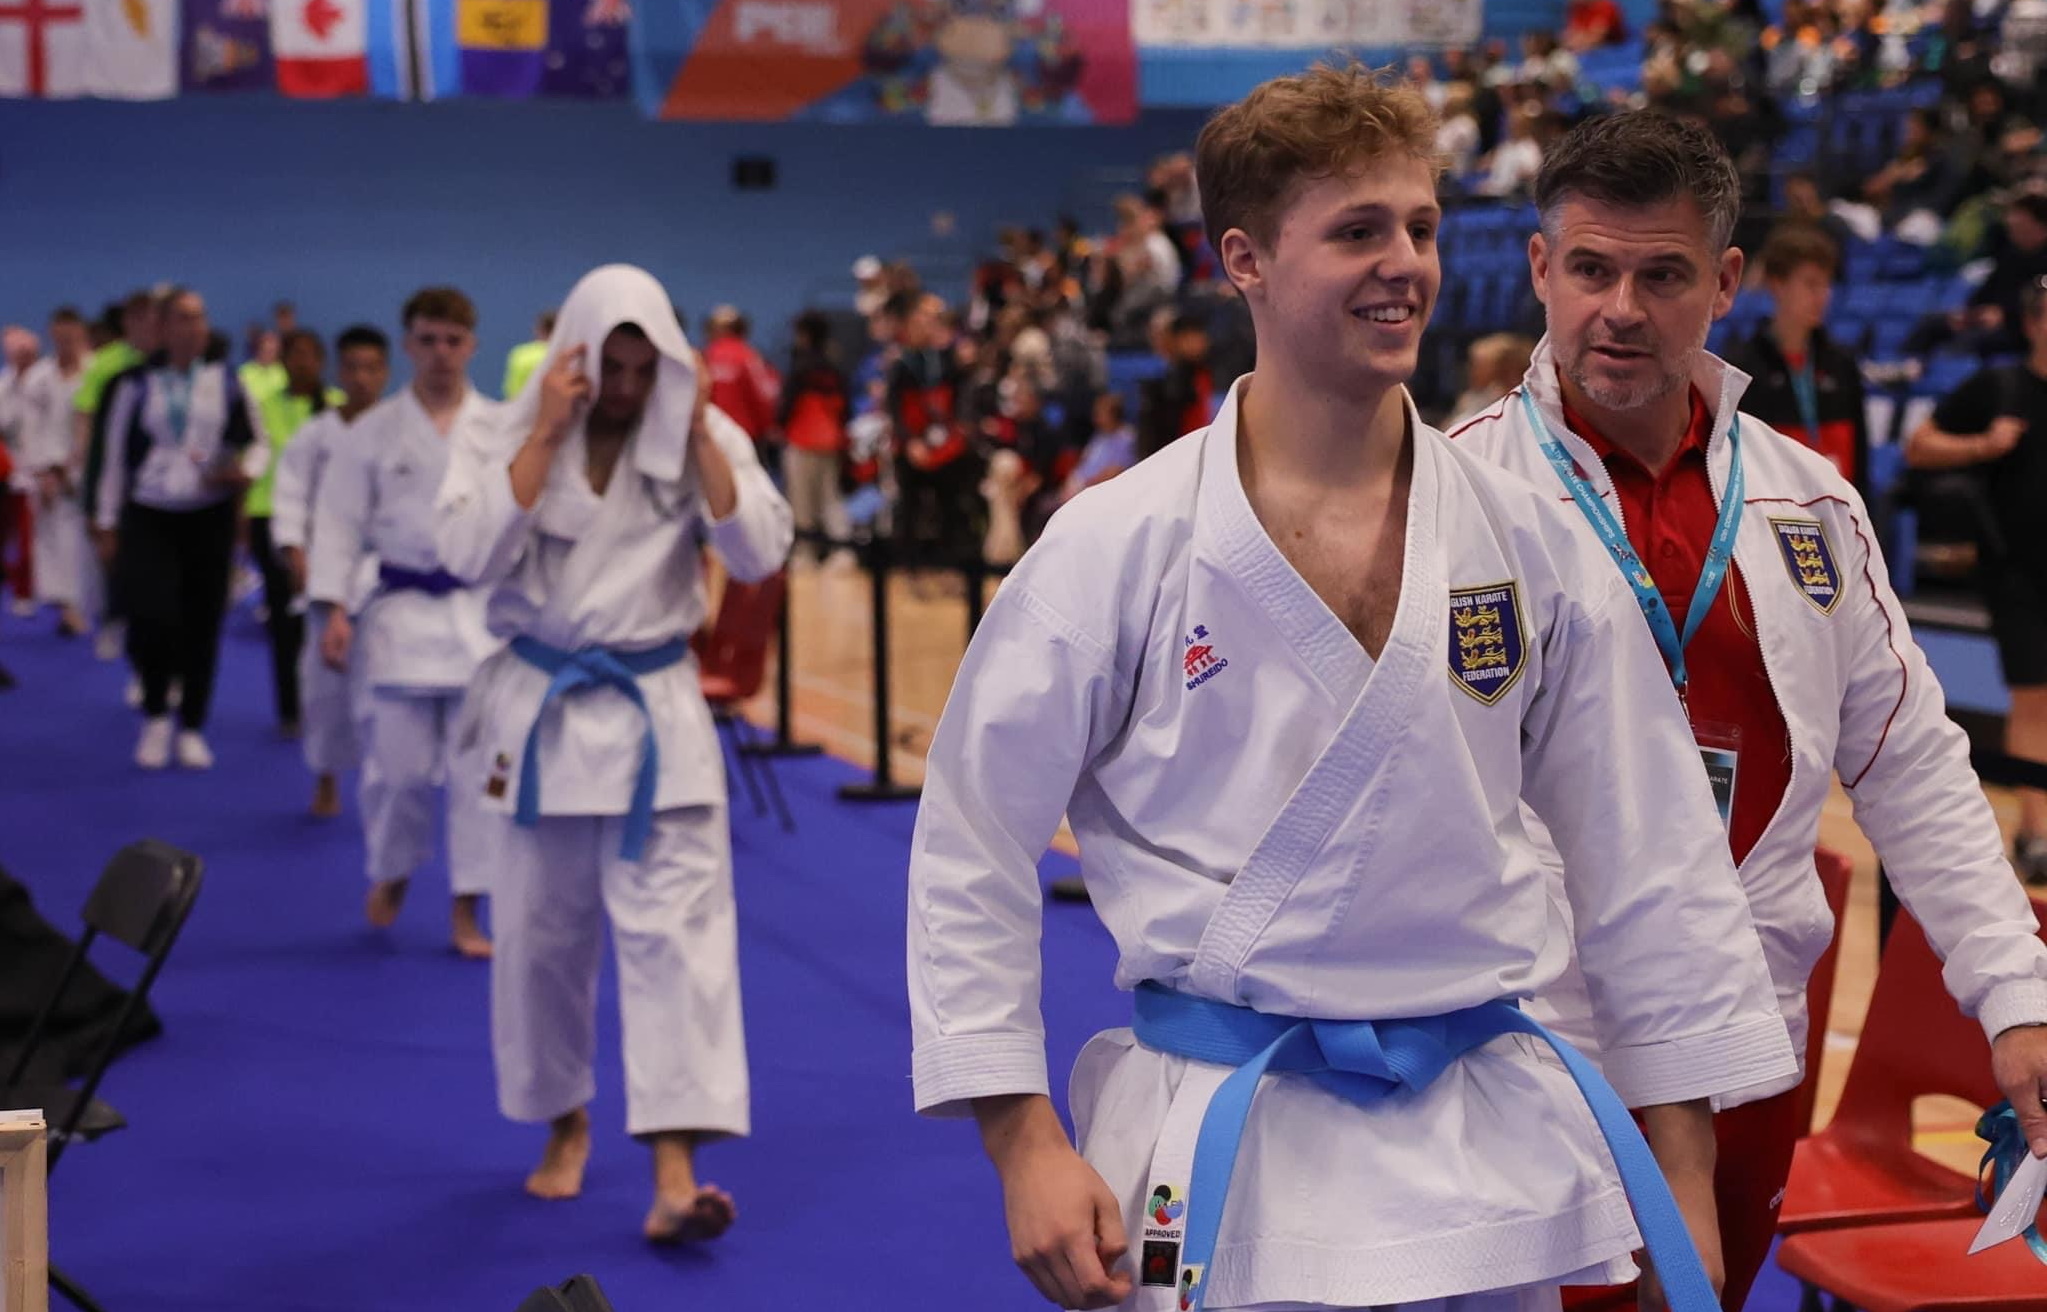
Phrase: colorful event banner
{"type": "Point", "coordinates": [1305, 24]}
{"type": "Point", "coordinates": [587, 56]}
{"type": "Point", "coordinates": [946, 62]}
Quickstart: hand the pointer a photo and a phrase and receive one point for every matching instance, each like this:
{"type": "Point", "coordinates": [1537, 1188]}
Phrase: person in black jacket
{"type": "Point", "coordinates": [1183, 398]}
{"type": "Point", "coordinates": [1805, 384]}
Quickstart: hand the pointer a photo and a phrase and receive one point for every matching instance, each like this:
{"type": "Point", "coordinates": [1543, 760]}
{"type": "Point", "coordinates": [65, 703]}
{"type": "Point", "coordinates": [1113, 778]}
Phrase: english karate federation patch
{"type": "Point", "coordinates": [1810, 558]}
{"type": "Point", "coordinates": [1487, 653]}
{"type": "Point", "coordinates": [1165, 1224]}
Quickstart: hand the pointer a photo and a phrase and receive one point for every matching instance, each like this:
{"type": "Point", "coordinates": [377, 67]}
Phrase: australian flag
{"type": "Point", "coordinates": [226, 46]}
{"type": "Point", "coordinates": [586, 50]}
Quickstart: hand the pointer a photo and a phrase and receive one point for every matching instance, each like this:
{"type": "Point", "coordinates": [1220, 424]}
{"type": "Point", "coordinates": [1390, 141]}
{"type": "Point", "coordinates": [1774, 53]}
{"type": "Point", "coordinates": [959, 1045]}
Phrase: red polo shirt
{"type": "Point", "coordinates": [1670, 519]}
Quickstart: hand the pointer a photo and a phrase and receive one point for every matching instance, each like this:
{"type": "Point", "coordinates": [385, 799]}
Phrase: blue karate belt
{"type": "Point", "coordinates": [434, 583]}
{"type": "Point", "coordinates": [2007, 1150]}
{"type": "Point", "coordinates": [1364, 1061]}
{"type": "Point", "coordinates": [597, 667]}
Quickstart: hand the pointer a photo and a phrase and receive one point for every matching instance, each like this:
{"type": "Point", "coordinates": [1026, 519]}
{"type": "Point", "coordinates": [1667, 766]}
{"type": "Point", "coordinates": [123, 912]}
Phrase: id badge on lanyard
{"type": "Point", "coordinates": [1719, 745]}
{"type": "Point", "coordinates": [1720, 753]}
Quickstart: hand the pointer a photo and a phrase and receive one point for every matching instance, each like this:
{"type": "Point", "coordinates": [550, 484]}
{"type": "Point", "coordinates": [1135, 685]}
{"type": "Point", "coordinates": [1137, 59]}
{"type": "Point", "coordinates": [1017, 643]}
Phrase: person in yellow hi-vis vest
{"type": "Point", "coordinates": [280, 413]}
{"type": "Point", "coordinates": [526, 356]}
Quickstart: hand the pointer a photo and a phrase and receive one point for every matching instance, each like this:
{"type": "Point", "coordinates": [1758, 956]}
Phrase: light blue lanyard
{"type": "Point", "coordinates": [177, 399]}
{"type": "Point", "coordinates": [1805, 391]}
{"type": "Point", "coordinates": [1719, 552]}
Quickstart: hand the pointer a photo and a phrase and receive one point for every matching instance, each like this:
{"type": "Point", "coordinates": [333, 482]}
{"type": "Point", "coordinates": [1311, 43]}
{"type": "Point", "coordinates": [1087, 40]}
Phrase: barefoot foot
{"type": "Point", "coordinates": [327, 797]}
{"type": "Point", "coordinates": [384, 901]}
{"type": "Point", "coordinates": [692, 1218]}
{"type": "Point", "coordinates": [560, 1173]}
{"type": "Point", "coordinates": [467, 936]}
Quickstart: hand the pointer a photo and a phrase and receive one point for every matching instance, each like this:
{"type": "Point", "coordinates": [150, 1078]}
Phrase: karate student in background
{"type": "Point", "coordinates": [138, 327]}
{"type": "Point", "coordinates": [1796, 664]}
{"type": "Point", "coordinates": [1288, 679]}
{"type": "Point", "coordinates": [420, 636]}
{"type": "Point", "coordinates": [67, 573]}
{"type": "Point", "coordinates": [280, 412]}
{"type": "Point", "coordinates": [581, 515]}
{"type": "Point", "coordinates": [327, 712]}
{"type": "Point", "coordinates": [179, 452]}
{"type": "Point", "coordinates": [526, 356]}
{"type": "Point", "coordinates": [20, 352]}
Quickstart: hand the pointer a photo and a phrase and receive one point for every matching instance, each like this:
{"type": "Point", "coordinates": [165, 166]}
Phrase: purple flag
{"type": "Point", "coordinates": [586, 50]}
{"type": "Point", "coordinates": [226, 46]}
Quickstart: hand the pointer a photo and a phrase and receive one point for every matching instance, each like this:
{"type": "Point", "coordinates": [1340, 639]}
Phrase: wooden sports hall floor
{"type": "Point", "coordinates": [832, 705]}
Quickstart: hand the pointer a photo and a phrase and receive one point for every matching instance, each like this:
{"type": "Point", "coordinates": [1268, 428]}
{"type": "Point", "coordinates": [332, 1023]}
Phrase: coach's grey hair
{"type": "Point", "coordinates": [1637, 159]}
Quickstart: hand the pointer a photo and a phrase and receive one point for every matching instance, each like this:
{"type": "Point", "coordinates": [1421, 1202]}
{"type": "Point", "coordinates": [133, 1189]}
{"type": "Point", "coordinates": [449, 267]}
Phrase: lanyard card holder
{"type": "Point", "coordinates": [1720, 753]}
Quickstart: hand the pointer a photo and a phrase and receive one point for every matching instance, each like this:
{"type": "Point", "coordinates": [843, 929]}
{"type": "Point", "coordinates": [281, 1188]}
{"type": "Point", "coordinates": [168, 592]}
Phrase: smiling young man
{"type": "Point", "coordinates": [1757, 572]}
{"type": "Point", "coordinates": [1288, 679]}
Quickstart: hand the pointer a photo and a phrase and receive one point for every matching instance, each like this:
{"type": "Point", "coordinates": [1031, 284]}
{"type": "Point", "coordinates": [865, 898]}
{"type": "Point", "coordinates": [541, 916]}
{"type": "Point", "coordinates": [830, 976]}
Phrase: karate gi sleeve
{"type": "Point", "coordinates": [1682, 1000]}
{"type": "Point", "coordinates": [289, 493]}
{"type": "Point", "coordinates": [46, 439]}
{"type": "Point", "coordinates": [1020, 726]}
{"type": "Point", "coordinates": [341, 522]}
{"type": "Point", "coordinates": [117, 422]}
{"type": "Point", "coordinates": [1905, 765]}
{"type": "Point", "coordinates": [754, 539]}
{"type": "Point", "coordinates": [480, 529]}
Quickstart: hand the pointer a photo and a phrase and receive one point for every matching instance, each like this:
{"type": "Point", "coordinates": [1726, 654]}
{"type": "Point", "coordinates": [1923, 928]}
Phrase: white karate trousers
{"type": "Point", "coordinates": [1531, 1298]}
{"type": "Point", "coordinates": [675, 927]}
{"type": "Point", "coordinates": [407, 761]}
{"type": "Point", "coordinates": [326, 711]}
{"type": "Point", "coordinates": [67, 570]}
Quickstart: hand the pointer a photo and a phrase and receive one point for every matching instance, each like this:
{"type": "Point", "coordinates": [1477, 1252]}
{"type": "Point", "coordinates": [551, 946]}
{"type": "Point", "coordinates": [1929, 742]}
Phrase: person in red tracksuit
{"type": "Point", "coordinates": [743, 385]}
{"type": "Point", "coordinates": [936, 474]}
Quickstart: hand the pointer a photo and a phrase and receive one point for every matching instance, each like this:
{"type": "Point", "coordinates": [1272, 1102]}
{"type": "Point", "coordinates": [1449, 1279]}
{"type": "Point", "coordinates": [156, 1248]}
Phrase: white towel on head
{"type": "Point", "coordinates": [602, 300]}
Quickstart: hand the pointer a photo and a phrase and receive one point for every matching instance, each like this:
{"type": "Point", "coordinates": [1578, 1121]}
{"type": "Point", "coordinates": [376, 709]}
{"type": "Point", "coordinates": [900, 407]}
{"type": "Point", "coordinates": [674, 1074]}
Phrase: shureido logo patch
{"type": "Point", "coordinates": [1487, 652]}
{"type": "Point", "coordinates": [1200, 661]}
{"type": "Point", "coordinates": [1810, 558]}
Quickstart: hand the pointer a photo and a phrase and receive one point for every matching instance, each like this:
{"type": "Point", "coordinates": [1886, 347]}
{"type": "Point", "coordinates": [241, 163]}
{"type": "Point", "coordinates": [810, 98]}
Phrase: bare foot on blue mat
{"type": "Point", "coordinates": [560, 1173]}
{"type": "Point", "coordinates": [706, 1214]}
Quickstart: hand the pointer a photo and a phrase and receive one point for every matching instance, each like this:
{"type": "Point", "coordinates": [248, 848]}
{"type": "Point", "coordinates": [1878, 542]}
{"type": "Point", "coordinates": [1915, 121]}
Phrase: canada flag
{"type": "Point", "coordinates": [321, 47]}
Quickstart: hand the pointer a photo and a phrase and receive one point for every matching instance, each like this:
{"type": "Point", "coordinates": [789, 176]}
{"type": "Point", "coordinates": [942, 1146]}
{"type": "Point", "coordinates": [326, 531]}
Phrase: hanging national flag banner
{"type": "Point", "coordinates": [413, 49]}
{"type": "Point", "coordinates": [131, 49]}
{"type": "Point", "coordinates": [42, 48]}
{"type": "Point", "coordinates": [504, 46]}
{"type": "Point", "coordinates": [320, 47]}
{"type": "Point", "coordinates": [227, 45]}
{"type": "Point", "coordinates": [586, 49]}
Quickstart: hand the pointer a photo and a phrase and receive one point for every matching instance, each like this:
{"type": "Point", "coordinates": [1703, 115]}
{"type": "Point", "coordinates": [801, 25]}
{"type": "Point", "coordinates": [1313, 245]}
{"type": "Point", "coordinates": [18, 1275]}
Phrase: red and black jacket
{"type": "Point", "coordinates": [923, 401]}
{"type": "Point", "coordinates": [1843, 435]}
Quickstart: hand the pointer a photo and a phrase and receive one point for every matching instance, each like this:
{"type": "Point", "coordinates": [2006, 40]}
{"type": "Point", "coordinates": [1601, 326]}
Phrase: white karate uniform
{"type": "Point", "coordinates": [620, 571]}
{"type": "Point", "coordinates": [67, 570]}
{"type": "Point", "coordinates": [416, 652]}
{"type": "Point", "coordinates": [1270, 818]}
{"type": "Point", "coordinates": [327, 696]}
{"type": "Point", "coordinates": [1858, 701]}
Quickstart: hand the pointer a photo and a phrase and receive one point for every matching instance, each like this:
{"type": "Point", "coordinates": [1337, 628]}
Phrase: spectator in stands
{"type": "Point", "coordinates": [1803, 203]}
{"type": "Point", "coordinates": [1140, 264]}
{"type": "Point", "coordinates": [1592, 23]}
{"type": "Point", "coordinates": [1494, 366]}
{"type": "Point", "coordinates": [1997, 422]}
{"type": "Point", "coordinates": [2002, 145]}
{"type": "Point", "coordinates": [1511, 169]}
{"type": "Point", "coordinates": [1457, 136]}
{"type": "Point", "coordinates": [873, 286]}
{"type": "Point", "coordinates": [1421, 75]}
{"type": "Point", "coordinates": [815, 410]}
{"type": "Point", "coordinates": [1183, 398]}
{"type": "Point", "coordinates": [1915, 192]}
{"type": "Point", "coordinates": [935, 466]}
{"type": "Point", "coordinates": [1111, 450]}
{"type": "Point", "coordinates": [1805, 384]}
{"type": "Point", "coordinates": [742, 384]}
{"type": "Point", "coordinates": [1545, 62]}
{"type": "Point", "coordinates": [2017, 265]}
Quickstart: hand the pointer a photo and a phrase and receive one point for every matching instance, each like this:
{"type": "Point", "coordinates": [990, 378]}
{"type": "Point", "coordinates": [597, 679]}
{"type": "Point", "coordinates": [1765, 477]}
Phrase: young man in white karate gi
{"type": "Point", "coordinates": [1804, 671]}
{"type": "Point", "coordinates": [581, 516]}
{"type": "Point", "coordinates": [421, 636]}
{"type": "Point", "coordinates": [1288, 680]}
{"type": "Point", "coordinates": [327, 695]}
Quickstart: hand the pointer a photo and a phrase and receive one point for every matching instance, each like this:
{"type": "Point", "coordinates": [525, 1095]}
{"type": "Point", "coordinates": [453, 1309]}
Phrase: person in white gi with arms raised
{"type": "Point", "coordinates": [581, 515]}
{"type": "Point", "coordinates": [1288, 679]}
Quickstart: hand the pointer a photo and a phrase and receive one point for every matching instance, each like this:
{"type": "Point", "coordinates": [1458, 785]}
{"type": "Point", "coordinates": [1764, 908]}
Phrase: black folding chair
{"type": "Point", "coordinates": [142, 900]}
{"type": "Point", "coordinates": [579, 1294]}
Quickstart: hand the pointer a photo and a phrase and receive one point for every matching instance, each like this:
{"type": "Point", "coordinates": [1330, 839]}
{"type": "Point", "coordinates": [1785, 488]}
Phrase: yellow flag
{"type": "Point", "coordinates": [501, 24]}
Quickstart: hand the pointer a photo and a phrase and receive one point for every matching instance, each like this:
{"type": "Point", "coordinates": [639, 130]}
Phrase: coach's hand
{"type": "Point", "coordinates": [1065, 1227]}
{"type": "Point", "coordinates": [2018, 1062]}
